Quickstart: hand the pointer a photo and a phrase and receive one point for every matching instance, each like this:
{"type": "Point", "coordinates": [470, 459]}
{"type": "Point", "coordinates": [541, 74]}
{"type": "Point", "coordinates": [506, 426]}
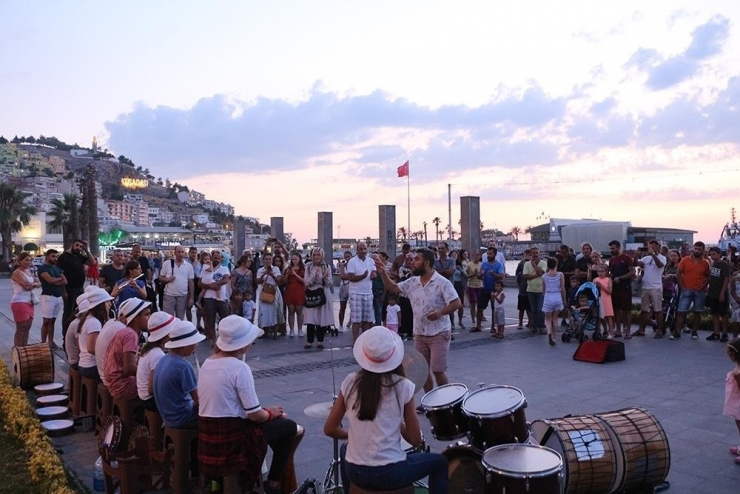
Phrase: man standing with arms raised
{"type": "Point", "coordinates": [72, 263]}
{"type": "Point", "coordinates": [359, 272]}
{"type": "Point", "coordinates": [177, 275]}
{"type": "Point", "coordinates": [432, 297]}
{"type": "Point", "coordinates": [652, 288]}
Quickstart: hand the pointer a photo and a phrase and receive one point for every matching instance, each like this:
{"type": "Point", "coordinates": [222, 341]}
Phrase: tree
{"type": "Point", "coordinates": [426, 239]}
{"type": "Point", "coordinates": [436, 222]}
{"type": "Point", "coordinates": [515, 231]}
{"type": "Point", "coordinates": [14, 215]}
{"type": "Point", "coordinates": [3, 140]}
{"type": "Point", "coordinates": [65, 215]}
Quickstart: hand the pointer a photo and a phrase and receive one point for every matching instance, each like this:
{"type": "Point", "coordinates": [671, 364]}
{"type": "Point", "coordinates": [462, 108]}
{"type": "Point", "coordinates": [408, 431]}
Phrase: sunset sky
{"type": "Point", "coordinates": [613, 110]}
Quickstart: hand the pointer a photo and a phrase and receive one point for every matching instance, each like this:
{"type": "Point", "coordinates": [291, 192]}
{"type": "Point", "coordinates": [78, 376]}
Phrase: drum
{"type": "Point", "coordinates": [644, 448]}
{"type": "Point", "coordinates": [58, 427]}
{"type": "Point", "coordinates": [32, 364]}
{"type": "Point", "coordinates": [442, 407]}
{"type": "Point", "coordinates": [52, 413]}
{"type": "Point", "coordinates": [496, 416]}
{"type": "Point", "coordinates": [589, 448]}
{"type": "Point", "coordinates": [48, 388]}
{"type": "Point", "coordinates": [522, 468]}
{"type": "Point", "coordinates": [52, 401]}
{"type": "Point", "coordinates": [465, 470]}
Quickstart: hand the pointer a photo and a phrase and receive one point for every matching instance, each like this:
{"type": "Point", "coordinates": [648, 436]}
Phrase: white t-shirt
{"type": "Point", "coordinates": [391, 314]}
{"type": "Point", "coordinates": [358, 266]}
{"type": "Point", "coordinates": [213, 275]}
{"type": "Point", "coordinates": [378, 442]}
{"type": "Point", "coordinates": [437, 293]}
{"type": "Point", "coordinates": [71, 342]}
{"type": "Point", "coordinates": [183, 273]}
{"type": "Point", "coordinates": [90, 326]}
{"type": "Point", "coordinates": [226, 389]}
{"type": "Point", "coordinates": [106, 335]}
{"type": "Point", "coordinates": [144, 369]}
{"type": "Point", "coordinates": [652, 275]}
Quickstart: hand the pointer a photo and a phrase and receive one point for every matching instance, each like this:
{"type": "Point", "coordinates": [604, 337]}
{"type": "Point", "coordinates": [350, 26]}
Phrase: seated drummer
{"type": "Point", "coordinates": [175, 386]}
{"type": "Point", "coordinates": [379, 402]}
{"type": "Point", "coordinates": [122, 355]}
{"type": "Point", "coordinates": [233, 426]}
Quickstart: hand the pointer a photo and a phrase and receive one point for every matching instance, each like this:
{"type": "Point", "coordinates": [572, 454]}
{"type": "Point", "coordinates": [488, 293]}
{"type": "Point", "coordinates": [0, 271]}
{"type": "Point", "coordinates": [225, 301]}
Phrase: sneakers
{"type": "Point", "coordinates": [611, 337]}
{"type": "Point", "coordinates": [711, 337]}
{"type": "Point", "coordinates": [675, 336]}
{"type": "Point", "coordinates": [300, 333]}
{"type": "Point", "coordinates": [292, 333]}
{"type": "Point", "coordinates": [694, 335]}
{"type": "Point", "coordinates": [724, 338]}
{"type": "Point", "coordinates": [420, 410]}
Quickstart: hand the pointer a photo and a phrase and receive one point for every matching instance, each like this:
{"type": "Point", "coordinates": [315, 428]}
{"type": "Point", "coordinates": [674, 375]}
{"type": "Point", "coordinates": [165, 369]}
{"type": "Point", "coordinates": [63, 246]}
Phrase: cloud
{"type": "Point", "coordinates": [707, 40]}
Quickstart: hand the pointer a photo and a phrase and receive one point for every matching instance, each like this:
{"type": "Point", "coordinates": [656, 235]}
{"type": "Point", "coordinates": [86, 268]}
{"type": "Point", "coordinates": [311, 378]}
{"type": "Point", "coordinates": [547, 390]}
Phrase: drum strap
{"type": "Point", "coordinates": [546, 436]}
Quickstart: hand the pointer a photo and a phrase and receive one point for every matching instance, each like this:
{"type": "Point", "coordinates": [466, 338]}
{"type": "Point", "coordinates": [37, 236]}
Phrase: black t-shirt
{"type": "Point", "coordinates": [46, 288]}
{"type": "Point", "coordinates": [619, 266]}
{"type": "Point", "coordinates": [145, 266]}
{"type": "Point", "coordinates": [110, 275]}
{"type": "Point", "coordinates": [584, 266]}
{"type": "Point", "coordinates": [73, 267]}
{"type": "Point", "coordinates": [567, 265]}
{"type": "Point", "coordinates": [717, 274]}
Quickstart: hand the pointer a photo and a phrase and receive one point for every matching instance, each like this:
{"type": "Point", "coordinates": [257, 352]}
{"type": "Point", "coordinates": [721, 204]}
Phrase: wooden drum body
{"type": "Point", "coordinates": [32, 364]}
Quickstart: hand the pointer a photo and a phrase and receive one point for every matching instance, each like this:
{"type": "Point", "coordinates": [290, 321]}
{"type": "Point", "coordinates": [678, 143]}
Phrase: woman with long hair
{"type": "Point", "coordinates": [379, 403]}
{"type": "Point", "coordinates": [295, 292]}
{"type": "Point", "coordinates": [318, 319]}
{"type": "Point", "coordinates": [270, 312]}
{"type": "Point", "coordinates": [89, 328]}
{"type": "Point", "coordinates": [242, 278]}
{"type": "Point", "coordinates": [596, 261]}
{"type": "Point", "coordinates": [21, 303]}
{"type": "Point", "coordinates": [159, 325]}
{"type": "Point", "coordinates": [131, 285]}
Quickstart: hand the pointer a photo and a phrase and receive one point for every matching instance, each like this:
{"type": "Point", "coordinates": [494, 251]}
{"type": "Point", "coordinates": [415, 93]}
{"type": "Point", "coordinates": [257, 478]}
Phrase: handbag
{"type": "Point", "coordinates": [268, 293]}
{"type": "Point", "coordinates": [35, 296]}
{"type": "Point", "coordinates": [315, 298]}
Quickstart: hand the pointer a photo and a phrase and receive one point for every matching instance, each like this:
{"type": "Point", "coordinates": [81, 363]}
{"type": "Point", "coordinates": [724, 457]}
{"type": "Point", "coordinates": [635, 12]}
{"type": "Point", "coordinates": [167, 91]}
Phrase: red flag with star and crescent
{"type": "Point", "coordinates": [403, 170]}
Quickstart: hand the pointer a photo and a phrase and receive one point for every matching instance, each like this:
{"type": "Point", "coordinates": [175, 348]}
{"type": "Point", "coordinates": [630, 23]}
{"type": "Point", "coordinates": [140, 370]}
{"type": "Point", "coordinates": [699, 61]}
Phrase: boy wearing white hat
{"type": "Point", "coordinates": [175, 386]}
{"type": "Point", "coordinates": [159, 326]}
{"type": "Point", "coordinates": [230, 410]}
{"type": "Point", "coordinates": [120, 358]}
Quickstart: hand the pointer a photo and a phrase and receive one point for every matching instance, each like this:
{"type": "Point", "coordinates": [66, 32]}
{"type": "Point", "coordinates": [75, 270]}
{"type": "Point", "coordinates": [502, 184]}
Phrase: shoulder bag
{"type": "Point", "coordinates": [268, 293]}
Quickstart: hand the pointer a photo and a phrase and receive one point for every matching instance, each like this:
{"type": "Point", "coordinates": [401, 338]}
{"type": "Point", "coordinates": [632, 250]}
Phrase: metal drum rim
{"type": "Point", "coordinates": [429, 408]}
{"type": "Point", "coordinates": [519, 474]}
{"type": "Point", "coordinates": [501, 413]}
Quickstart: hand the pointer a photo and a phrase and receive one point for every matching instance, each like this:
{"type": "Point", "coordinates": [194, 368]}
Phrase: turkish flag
{"type": "Point", "coordinates": [403, 170]}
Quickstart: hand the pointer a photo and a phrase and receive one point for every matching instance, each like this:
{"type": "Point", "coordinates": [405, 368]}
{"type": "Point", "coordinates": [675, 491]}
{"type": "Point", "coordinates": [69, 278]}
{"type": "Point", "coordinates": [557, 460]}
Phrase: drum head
{"type": "Point", "coordinates": [493, 401]}
{"type": "Point", "coordinates": [443, 396]}
{"type": "Point", "coordinates": [46, 388]}
{"type": "Point", "coordinates": [522, 460]}
{"type": "Point", "coordinates": [51, 411]}
{"type": "Point", "coordinates": [51, 399]}
{"type": "Point", "coordinates": [58, 427]}
{"type": "Point", "coordinates": [465, 471]}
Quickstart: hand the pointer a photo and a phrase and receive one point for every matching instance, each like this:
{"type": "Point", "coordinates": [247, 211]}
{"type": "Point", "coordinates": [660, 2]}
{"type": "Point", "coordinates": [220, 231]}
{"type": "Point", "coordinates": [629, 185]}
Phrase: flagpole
{"type": "Point", "coordinates": [408, 204]}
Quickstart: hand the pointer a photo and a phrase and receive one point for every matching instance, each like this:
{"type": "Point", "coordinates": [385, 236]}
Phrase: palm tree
{"type": "Point", "coordinates": [14, 215]}
{"type": "Point", "coordinates": [65, 215]}
{"type": "Point", "coordinates": [436, 222]}
{"type": "Point", "coordinates": [515, 231]}
{"type": "Point", "coordinates": [426, 239]}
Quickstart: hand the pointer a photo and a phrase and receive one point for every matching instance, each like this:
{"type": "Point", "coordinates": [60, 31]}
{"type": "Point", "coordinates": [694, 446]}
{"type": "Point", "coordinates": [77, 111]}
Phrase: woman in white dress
{"type": "Point", "coordinates": [269, 313]}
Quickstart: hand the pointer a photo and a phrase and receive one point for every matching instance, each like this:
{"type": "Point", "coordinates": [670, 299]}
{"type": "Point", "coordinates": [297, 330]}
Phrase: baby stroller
{"type": "Point", "coordinates": [669, 306]}
{"type": "Point", "coordinates": [585, 319]}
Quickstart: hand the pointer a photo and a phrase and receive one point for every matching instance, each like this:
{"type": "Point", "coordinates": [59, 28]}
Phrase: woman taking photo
{"type": "Point", "coordinates": [132, 285]}
{"type": "Point", "coordinates": [21, 304]}
{"type": "Point", "coordinates": [379, 403]}
{"type": "Point", "coordinates": [319, 318]}
{"type": "Point", "coordinates": [295, 293]}
{"type": "Point", "coordinates": [270, 311]}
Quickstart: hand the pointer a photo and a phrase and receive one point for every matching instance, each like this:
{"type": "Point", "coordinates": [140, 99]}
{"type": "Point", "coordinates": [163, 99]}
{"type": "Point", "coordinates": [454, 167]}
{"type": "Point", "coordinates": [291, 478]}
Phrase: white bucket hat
{"type": "Point", "coordinates": [235, 332]}
{"type": "Point", "coordinates": [82, 303]}
{"type": "Point", "coordinates": [183, 333]}
{"type": "Point", "coordinates": [378, 350]}
{"type": "Point", "coordinates": [159, 325]}
{"type": "Point", "coordinates": [96, 296]}
{"type": "Point", "coordinates": [130, 308]}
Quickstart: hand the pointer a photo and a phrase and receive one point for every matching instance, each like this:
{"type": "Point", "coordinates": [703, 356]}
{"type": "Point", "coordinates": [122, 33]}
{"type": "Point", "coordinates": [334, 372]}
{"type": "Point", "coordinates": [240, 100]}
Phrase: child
{"type": "Point", "coordinates": [236, 303]}
{"type": "Point", "coordinates": [393, 314]}
{"type": "Point", "coordinates": [732, 391]}
{"type": "Point", "coordinates": [575, 283]}
{"type": "Point", "coordinates": [498, 320]}
{"type": "Point", "coordinates": [248, 307]}
{"type": "Point", "coordinates": [606, 310]}
{"type": "Point", "coordinates": [577, 311]}
{"type": "Point", "coordinates": [734, 299]}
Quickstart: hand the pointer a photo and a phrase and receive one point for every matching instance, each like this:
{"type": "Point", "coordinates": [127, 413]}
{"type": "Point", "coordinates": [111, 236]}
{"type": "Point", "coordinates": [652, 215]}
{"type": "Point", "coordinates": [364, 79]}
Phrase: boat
{"type": "Point", "coordinates": [730, 233]}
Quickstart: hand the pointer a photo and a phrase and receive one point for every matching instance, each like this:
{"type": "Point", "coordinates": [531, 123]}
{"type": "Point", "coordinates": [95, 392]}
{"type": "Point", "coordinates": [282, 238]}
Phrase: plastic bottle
{"type": "Point", "coordinates": [98, 478]}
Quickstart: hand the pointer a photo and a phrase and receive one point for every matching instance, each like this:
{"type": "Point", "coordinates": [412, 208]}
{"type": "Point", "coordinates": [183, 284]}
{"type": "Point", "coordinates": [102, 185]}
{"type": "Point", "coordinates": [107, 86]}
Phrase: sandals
{"type": "Point", "coordinates": [735, 450]}
{"type": "Point", "coordinates": [320, 346]}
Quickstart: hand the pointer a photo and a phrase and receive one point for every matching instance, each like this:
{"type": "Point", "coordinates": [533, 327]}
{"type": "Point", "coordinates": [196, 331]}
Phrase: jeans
{"type": "Point", "coordinates": [397, 475]}
{"type": "Point", "coordinates": [279, 435]}
{"type": "Point", "coordinates": [378, 308]}
{"type": "Point", "coordinates": [535, 304]}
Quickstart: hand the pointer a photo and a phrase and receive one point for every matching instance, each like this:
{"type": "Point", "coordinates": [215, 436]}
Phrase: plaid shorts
{"type": "Point", "coordinates": [361, 307]}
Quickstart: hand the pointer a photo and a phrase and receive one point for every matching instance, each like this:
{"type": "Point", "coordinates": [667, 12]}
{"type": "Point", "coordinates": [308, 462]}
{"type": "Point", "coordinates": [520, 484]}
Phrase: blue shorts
{"type": "Point", "coordinates": [687, 297]}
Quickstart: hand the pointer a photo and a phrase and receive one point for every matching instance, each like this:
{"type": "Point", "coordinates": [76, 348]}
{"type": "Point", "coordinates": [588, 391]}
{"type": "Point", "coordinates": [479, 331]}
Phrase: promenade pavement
{"type": "Point", "coordinates": [680, 382]}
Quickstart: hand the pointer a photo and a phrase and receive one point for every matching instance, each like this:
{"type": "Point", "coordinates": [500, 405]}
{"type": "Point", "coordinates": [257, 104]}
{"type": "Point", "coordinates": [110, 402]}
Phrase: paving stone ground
{"type": "Point", "coordinates": [680, 382]}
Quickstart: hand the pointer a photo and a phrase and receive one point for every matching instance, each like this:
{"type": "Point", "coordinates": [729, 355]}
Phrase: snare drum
{"type": "Point", "coordinates": [496, 416]}
{"type": "Point", "coordinates": [442, 407]}
{"type": "Point", "coordinates": [643, 445]}
{"type": "Point", "coordinates": [465, 470]}
{"type": "Point", "coordinates": [522, 468]}
{"type": "Point", "coordinates": [52, 413]}
{"type": "Point", "coordinates": [589, 449]}
{"type": "Point", "coordinates": [52, 401]}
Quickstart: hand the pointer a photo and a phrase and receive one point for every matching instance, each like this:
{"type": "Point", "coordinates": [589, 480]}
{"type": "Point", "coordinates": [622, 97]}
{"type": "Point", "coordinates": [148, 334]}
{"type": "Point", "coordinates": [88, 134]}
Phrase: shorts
{"type": "Point", "coordinates": [552, 303]}
{"type": "Point", "coordinates": [652, 298]}
{"type": "Point", "coordinates": [484, 298]}
{"type": "Point", "coordinates": [522, 302]}
{"type": "Point", "coordinates": [622, 300]}
{"type": "Point", "coordinates": [499, 316]}
{"type": "Point", "coordinates": [51, 306]}
{"type": "Point", "coordinates": [22, 311]}
{"type": "Point", "coordinates": [361, 307]}
{"type": "Point", "coordinates": [687, 297]}
{"type": "Point", "coordinates": [393, 326]}
{"type": "Point", "coordinates": [435, 349]}
{"type": "Point", "coordinates": [344, 292]}
{"type": "Point", "coordinates": [473, 294]}
{"type": "Point", "coordinates": [717, 307]}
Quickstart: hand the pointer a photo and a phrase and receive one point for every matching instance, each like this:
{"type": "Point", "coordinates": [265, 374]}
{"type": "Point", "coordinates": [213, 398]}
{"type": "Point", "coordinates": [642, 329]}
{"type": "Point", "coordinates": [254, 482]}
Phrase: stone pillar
{"type": "Point", "coordinates": [470, 223]}
{"type": "Point", "coordinates": [276, 228]}
{"type": "Point", "coordinates": [387, 230]}
{"type": "Point", "coordinates": [240, 240]}
{"type": "Point", "coordinates": [325, 235]}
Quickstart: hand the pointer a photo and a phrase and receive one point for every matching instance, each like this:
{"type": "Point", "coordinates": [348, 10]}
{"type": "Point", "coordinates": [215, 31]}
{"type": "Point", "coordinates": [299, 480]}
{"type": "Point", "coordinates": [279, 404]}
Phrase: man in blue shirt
{"type": "Point", "coordinates": [490, 271]}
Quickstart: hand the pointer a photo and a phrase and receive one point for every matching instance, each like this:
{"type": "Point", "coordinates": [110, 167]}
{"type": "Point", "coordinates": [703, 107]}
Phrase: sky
{"type": "Point", "coordinates": [623, 111]}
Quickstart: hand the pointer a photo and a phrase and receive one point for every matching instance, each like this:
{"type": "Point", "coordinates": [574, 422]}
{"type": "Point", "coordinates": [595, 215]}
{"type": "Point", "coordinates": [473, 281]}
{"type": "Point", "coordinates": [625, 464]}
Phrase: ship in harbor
{"type": "Point", "coordinates": [730, 233]}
